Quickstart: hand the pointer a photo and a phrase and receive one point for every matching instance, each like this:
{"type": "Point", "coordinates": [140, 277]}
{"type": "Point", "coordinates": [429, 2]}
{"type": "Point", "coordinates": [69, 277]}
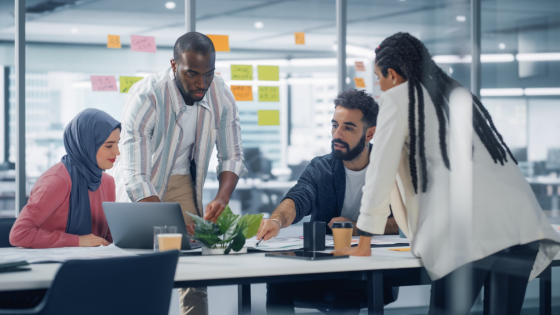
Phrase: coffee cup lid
{"type": "Point", "coordinates": [342, 225]}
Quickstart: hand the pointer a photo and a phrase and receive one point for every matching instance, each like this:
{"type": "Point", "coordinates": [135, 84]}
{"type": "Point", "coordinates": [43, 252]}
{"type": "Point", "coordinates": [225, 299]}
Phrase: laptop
{"type": "Point", "coordinates": [132, 223]}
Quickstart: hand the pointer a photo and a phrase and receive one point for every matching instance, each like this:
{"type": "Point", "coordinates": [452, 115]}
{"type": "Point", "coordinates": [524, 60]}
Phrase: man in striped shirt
{"type": "Point", "coordinates": [171, 122]}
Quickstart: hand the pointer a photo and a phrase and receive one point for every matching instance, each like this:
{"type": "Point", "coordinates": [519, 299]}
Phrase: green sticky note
{"type": "Point", "coordinates": [269, 73]}
{"type": "Point", "coordinates": [269, 94]}
{"type": "Point", "coordinates": [242, 72]}
{"type": "Point", "coordinates": [127, 82]}
{"type": "Point", "coordinates": [269, 117]}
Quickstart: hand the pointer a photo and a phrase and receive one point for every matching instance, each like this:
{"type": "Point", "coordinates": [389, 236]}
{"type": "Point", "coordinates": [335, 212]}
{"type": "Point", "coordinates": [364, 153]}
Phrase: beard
{"type": "Point", "coordinates": [350, 154]}
{"type": "Point", "coordinates": [186, 95]}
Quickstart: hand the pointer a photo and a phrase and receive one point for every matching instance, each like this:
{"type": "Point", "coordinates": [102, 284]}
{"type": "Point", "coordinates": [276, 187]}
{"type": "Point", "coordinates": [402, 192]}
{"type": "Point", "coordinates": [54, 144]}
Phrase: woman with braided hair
{"type": "Point", "coordinates": [498, 233]}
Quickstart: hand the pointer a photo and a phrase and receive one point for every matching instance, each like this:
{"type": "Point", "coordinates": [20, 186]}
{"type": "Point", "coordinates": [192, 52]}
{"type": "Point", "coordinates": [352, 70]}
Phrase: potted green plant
{"type": "Point", "coordinates": [228, 233]}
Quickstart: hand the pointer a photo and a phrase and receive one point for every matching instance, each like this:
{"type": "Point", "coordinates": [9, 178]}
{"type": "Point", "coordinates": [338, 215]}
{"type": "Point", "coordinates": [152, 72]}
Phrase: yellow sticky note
{"type": "Point", "coordinates": [359, 82]}
{"type": "Point", "coordinates": [404, 249]}
{"type": "Point", "coordinates": [269, 73]}
{"type": "Point", "coordinates": [127, 82]}
{"type": "Point", "coordinates": [300, 38]}
{"type": "Point", "coordinates": [242, 92]}
{"type": "Point", "coordinates": [269, 117]}
{"type": "Point", "coordinates": [242, 72]}
{"type": "Point", "coordinates": [113, 41]}
{"type": "Point", "coordinates": [269, 94]}
{"type": "Point", "coordinates": [221, 42]}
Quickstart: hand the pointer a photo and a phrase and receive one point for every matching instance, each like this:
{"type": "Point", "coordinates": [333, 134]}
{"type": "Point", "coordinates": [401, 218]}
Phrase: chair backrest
{"type": "Point", "coordinates": [125, 285]}
{"type": "Point", "coordinates": [5, 228]}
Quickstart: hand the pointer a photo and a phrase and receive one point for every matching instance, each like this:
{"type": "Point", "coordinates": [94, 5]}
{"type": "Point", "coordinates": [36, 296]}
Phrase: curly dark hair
{"type": "Point", "coordinates": [409, 57]}
{"type": "Point", "coordinates": [359, 99]}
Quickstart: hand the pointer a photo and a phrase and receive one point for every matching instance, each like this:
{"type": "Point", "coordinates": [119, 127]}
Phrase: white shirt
{"type": "Point", "coordinates": [187, 122]}
{"type": "Point", "coordinates": [502, 212]}
{"type": "Point", "coordinates": [355, 180]}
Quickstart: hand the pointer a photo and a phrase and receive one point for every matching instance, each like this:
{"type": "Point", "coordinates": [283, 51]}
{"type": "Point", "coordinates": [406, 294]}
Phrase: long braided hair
{"type": "Point", "coordinates": [409, 58]}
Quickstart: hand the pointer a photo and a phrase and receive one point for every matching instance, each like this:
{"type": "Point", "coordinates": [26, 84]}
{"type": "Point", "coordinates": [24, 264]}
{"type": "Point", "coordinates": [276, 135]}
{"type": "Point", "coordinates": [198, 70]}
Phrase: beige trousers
{"type": "Point", "coordinates": [193, 301]}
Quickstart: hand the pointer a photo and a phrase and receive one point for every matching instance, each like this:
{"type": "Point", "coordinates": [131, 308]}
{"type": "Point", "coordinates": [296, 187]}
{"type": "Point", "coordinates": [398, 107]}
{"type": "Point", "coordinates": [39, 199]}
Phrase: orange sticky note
{"type": "Point", "coordinates": [360, 66]}
{"type": "Point", "coordinates": [113, 41]}
{"type": "Point", "coordinates": [359, 82]}
{"type": "Point", "coordinates": [221, 42]}
{"type": "Point", "coordinates": [404, 249]}
{"type": "Point", "coordinates": [300, 38]}
{"type": "Point", "coordinates": [242, 92]}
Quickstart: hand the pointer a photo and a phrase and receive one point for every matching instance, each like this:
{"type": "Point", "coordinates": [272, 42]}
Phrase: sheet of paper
{"type": "Point", "coordinates": [360, 66]}
{"type": "Point", "coordinates": [300, 38]}
{"type": "Point", "coordinates": [61, 254]}
{"type": "Point", "coordinates": [269, 117]}
{"type": "Point", "coordinates": [269, 94]}
{"type": "Point", "coordinates": [275, 244]}
{"type": "Point", "coordinates": [269, 73]}
{"type": "Point", "coordinates": [359, 82]}
{"type": "Point", "coordinates": [221, 42]}
{"type": "Point", "coordinates": [242, 72]}
{"type": "Point", "coordinates": [242, 92]}
{"type": "Point", "coordinates": [102, 83]}
{"type": "Point", "coordinates": [127, 82]}
{"type": "Point", "coordinates": [113, 41]}
{"type": "Point", "coordinates": [143, 43]}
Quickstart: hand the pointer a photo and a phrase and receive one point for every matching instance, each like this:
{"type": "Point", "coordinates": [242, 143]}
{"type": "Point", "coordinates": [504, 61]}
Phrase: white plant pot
{"type": "Point", "coordinates": [220, 251]}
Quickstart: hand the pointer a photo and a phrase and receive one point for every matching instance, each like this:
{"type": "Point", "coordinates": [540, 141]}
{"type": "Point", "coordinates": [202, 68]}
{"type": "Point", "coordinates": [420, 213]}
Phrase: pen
{"type": "Point", "coordinates": [259, 242]}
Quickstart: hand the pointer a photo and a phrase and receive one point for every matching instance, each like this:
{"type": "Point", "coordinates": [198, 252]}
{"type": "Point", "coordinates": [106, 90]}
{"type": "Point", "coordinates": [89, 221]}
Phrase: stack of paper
{"type": "Point", "coordinates": [276, 244]}
{"type": "Point", "coordinates": [376, 240]}
{"type": "Point", "coordinates": [61, 254]}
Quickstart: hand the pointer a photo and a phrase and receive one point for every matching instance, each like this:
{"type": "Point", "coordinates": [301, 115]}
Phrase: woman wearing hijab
{"type": "Point", "coordinates": [64, 208]}
{"type": "Point", "coordinates": [489, 227]}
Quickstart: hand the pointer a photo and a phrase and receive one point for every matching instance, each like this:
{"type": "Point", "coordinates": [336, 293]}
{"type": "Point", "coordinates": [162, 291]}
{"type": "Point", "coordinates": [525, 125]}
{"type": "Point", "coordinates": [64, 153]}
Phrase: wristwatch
{"type": "Point", "coordinates": [364, 233]}
{"type": "Point", "coordinates": [279, 223]}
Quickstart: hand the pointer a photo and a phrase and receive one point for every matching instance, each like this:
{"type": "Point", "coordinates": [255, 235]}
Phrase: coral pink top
{"type": "Point", "coordinates": [42, 222]}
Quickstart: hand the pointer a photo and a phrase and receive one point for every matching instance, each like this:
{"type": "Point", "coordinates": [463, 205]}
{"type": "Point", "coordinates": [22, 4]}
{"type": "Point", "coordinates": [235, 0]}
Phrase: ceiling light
{"type": "Point", "coordinates": [259, 25]}
{"type": "Point", "coordinates": [497, 58]}
{"type": "Point", "coordinates": [538, 57]}
{"type": "Point", "coordinates": [170, 5]}
{"type": "Point", "coordinates": [542, 91]}
{"type": "Point", "coordinates": [461, 18]}
{"type": "Point", "coordinates": [467, 58]}
{"type": "Point", "coordinates": [450, 70]}
{"type": "Point", "coordinates": [501, 92]}
{"type": "Point", "coordinates": [502, 46]}
{"type": "Point", "coordinates": [74, 30]}
{"type": "Point", "coordinates": [357, 51]}
{"type": "Point", "coordinates": [452, 59]}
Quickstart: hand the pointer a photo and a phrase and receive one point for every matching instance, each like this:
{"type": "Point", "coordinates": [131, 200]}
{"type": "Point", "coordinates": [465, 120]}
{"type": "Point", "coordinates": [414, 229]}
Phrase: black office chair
{"type": "Point", "coordinates": [324, 302]}
{"type": "Point", "coordinates": [113, 286]}
{"type": "Point", "coordinates": [5, 228]}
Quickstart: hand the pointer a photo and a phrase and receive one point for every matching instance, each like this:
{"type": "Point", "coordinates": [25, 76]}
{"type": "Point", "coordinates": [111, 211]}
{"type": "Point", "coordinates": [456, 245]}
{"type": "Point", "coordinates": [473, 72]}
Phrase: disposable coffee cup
{"type": "Point", "coordinates": [342, 234]}
{"type": "Point", "coordinates": [169, 241]}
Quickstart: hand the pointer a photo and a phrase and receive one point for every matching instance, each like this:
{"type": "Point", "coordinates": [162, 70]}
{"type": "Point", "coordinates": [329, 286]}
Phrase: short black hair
{"type": "Point", "coordinates": [359, 99]}
{"type": "Point", "coordinates": [192, 41]}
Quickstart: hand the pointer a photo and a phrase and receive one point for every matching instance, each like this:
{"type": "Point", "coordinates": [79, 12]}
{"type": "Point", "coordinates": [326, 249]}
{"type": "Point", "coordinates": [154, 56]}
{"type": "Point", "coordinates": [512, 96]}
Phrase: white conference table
{"type": "Point", "coordinates": [384, 266]}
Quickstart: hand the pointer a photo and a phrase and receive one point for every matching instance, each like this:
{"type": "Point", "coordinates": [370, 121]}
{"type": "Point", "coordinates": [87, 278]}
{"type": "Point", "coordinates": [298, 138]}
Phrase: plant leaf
{"type": "Point", "coordinates": [207, 240]}
{"type": "Point", "coordinates": [205, 231]}
{"type": "Point", "coordinates": [226, 220]}
{"type": "Point", "coordinates": [251, 223]}
{"type": "Point", "coordinates": [237, 242]}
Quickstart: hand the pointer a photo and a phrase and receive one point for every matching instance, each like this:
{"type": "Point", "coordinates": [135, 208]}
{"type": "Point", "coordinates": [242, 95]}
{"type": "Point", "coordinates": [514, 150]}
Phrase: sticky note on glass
{"type": "Point", "coordinates": [127, 82]}
{"type": "Point", "coordinates": [242, 72]}
{"type": "Point", "coordinates": [269, 94]}
{"type": "Point", "coordinates": [360, 66]}
{"type": "Point", "coordinates": [359, 82]}
{"type": "Point", "coordinates": [404, 249]}
{"type": "Point", "coordinates": [221, 42]}
{"type": "Point", "coordinates": [242, 92]}
{"type": "Point", "coordinates": [300, 38]}
{"type": "Point", "coordinates": [113, 41]}
{"type": "Point", "coordinates": [143, 43]}
{"type": "Point", "coordinates": [269, 117]}
{"type": "Point", "coordinates": [269, 73]}
{"type": "Point", "coordinates": [101, 83]}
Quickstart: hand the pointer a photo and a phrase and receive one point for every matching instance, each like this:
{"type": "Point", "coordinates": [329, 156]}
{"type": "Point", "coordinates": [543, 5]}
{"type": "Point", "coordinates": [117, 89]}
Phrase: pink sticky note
{"type": "Point", "coordinates": [143, 43]}
{"type": "Point", "coordinates": [103, 83]}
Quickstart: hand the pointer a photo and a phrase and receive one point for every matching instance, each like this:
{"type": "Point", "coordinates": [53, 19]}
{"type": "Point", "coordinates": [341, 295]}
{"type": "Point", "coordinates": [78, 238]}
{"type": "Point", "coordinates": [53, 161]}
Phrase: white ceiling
{"type": "Point", "coordinates": [369, 21]}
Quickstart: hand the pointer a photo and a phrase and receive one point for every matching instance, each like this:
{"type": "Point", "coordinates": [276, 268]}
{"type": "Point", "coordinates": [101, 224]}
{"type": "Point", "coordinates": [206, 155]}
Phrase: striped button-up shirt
{"type": "Point", "coordinates": [151, 137]}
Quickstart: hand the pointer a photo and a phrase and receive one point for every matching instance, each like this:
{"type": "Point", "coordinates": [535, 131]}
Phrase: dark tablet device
{"type": "Point", "coordinates": [305, 255]}
{"type": "Point", "coordinates": [14, 266]}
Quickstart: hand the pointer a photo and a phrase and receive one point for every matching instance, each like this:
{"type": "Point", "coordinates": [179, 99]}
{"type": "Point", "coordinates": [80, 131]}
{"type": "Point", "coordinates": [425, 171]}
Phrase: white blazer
{"type": "Point", "coordinates": [448, 232]}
